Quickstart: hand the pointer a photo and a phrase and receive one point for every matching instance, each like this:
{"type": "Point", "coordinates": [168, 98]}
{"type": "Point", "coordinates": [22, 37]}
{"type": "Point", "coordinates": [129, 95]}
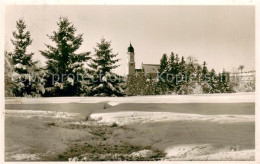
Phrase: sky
{"type": "Point", "coordinates": [223, 36]}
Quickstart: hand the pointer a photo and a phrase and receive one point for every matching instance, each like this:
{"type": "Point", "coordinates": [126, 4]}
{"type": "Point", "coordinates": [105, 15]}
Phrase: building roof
{"type": "Point", "coordinates": [131, 48]}
{"type": "Point", "coordinates": [138, 70]}
{"type": "Point", "coordinates": [150, 68]}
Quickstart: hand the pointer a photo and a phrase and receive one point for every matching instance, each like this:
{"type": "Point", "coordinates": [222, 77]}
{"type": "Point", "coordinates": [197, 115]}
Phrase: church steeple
{"type": "Point", "coordinates": [131, 48]}
{"type": "Point", "coordinates": [130, 60]}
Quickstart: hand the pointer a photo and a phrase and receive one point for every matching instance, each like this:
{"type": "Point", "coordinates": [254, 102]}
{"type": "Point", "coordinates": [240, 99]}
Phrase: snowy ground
{"type": "Point", "coordinates": [205, 98]}
{"type": "Point", "coordinates": [125, 118]}
{"type": "Point", "coordinates": [196, 127]}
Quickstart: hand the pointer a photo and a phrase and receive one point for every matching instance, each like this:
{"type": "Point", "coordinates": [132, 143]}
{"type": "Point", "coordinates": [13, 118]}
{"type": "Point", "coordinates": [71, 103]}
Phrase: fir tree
{"type": "Point", "coordinates": [140, 84]}
{"type": "Point", "coordinates": [163, 65]}
{"type": "Point", "coordinates": [177, 59]}
{"type": "Point", "coordinates": [24, 66]}
{"type": "Point", "coordinates": [223, 85]}
{"type": "Point", "coordinates": [204, 72]}
{"type": "Point", "coordinates": [65, 70]}
{"type": "Point", "coordinates": [182, 68]}
{"type": "Point", "coordinates": [190, 69]}
{"type": "Point", "coordinates": [9, 84]}
{"type": "Point", "coordinates": [163, 71]}
{"type": "Point", "coordinates": [182, 65]}
{"type": "Point", "coordinates": [198, 73]}
{"type": "Point", "coordinates": [104, 81]}
{"type": "Point", "coordinates": [177, 64]}
{"type": "Point", "coordinates": [172, 74]}
{"type": "Point", "coordinates": [182, 77]}
{"type": "Point", "coordinates": [171, 64]}
{"type": "Point", "coordinates": [213, 81]}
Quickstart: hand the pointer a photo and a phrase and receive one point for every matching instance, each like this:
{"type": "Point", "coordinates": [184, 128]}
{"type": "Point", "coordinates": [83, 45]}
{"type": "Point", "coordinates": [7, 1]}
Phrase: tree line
{"type": "Point", "coordinates": [66, 72]}
{"type": "Point", "coordinates": [72, 73]}
{"type": "Point", "coordinates": [179, 76]}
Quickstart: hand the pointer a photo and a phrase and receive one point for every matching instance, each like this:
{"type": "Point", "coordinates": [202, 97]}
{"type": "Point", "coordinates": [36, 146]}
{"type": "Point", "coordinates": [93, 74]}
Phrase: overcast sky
{"type": "Point", "coordinates": [223, 36]}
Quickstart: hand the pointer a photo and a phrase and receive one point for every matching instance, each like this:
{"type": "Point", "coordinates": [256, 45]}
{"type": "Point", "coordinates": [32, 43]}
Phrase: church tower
{"type": "Point", "coordinates": [130, 60]}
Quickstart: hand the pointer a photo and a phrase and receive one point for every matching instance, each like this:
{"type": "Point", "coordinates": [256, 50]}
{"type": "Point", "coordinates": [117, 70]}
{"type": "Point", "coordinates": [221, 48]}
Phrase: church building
{"type": "Point", "coordinates": [149, 69]}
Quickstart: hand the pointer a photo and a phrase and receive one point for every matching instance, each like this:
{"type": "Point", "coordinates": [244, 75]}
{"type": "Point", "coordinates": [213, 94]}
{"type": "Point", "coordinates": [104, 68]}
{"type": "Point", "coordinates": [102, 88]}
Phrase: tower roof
{"type": "Point", "coordinates": [131, 48]}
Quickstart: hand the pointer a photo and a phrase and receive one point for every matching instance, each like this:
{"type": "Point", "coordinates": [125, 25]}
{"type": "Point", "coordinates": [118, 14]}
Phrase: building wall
{"type": "Point", "coordinates": [131, 63]}
{"type": "Point", "coordinates": [244, 76]}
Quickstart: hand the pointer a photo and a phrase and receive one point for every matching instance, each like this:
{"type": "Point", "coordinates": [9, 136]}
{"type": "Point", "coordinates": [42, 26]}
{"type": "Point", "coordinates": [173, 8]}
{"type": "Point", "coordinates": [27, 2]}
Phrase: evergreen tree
{"type": "Point", "coordinates": [182, 65]}
{"type": "Point", "coordinates": [104, 81]}
{"type": "Point", "coordinates": [182, 68]}
{"type": "Point", "coordinates": [171, 69]}
{"type": "Point", "coordinates": [163, 66]}
{"type": "Point", "coordinates": [162, 83]}
{"type": "Point", "coordinates": [224, 83]}
{"type": "Point", "coordinates": [198, 73]}
{"type": "Point", "coordinates": [204, 72]}
{"type": "Point", "coordinates": [9, 84]}
{"type": "Point", "coordinates": [65, 70]}
{"type": "Point", "coordinates": [190, 69]}
{"type": "Point", "coordinates": [140, 84]}
{"type": "Point", "coordinates": [205, 79]}
{"type": "Point", "coordinates": [24, 66]}
{"type": "Point", "coordinates": [177, 59]}
{"type": "Point", "coordinates": [213, 81]}
{"type": "Point", "coordinates": [181, 78]}
{"type": "Point", "coordinates": [133, 88]}
{"type": "Point", "coordinates": [171, 64]}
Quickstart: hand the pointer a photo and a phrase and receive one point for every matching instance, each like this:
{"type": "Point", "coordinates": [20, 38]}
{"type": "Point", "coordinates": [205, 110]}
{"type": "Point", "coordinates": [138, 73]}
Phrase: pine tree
{"type": "Point", "coordinates": [204, 72]}
{"type": "Point", "coordinates": [198, 73]}
{"type": "Point", "coordinates": [171, 64]}
{"type": "Point", "coordinates": [140, 84]}
{"type": "Point", "coordinates": [182, 68]}
{"type": "Point", "coordinates": [163, 64]}
{"type": "Point", "coordinates": [224, 82]}
{"type": "Point", "coordinates": [172, 74]}
{"type": "Point", "coordinates": [163, 71]}
{"type": "Point", "coordinates": [205, 79]}
{"type": "Point", "coordinates": [24, 66]}
{"type": "Point", "coordinates": [65, 71]}
{"type": "Point", "coordinates": [182, 77]}
{"type": "Point", "coordinates": [133, 88]}
{"type": "Point", "coordinates": [182, 65]}
{"type": "Point", "coordinates": [213, 81]}
{"type": "Point", "coordinates": [190, 70]}
{"type": "Point", "coordinates": [104, 81]}
{"type": "Point", "coordinates": [9, 84]}
{"type": "Point", "coordinates": [176, 70]}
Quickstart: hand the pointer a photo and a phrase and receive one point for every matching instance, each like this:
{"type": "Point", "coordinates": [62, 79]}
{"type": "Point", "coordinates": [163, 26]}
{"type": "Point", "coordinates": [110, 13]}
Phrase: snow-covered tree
{"type": "Point", "coordinates": [140, 84]}
{"type": "Point", "coordinates": [213, 82]}
{"type": "Point", "coordinates": [104, 82]}
{"type": "Point", "coordinates": [171, 70]}
{"type": "Point", "coordinates": [65, 71]}
{"type": "Point", "coordinates": [24, 67]}
{"type": "Point", "coordinates": [163, 71]}
{"type": "Point", "coordinates": [204, 72]}
{"type": "Point", "coordinates": [191, 68]}
{"type": "Point", "coordinates": [198, 73]}
{"type": "Point", "coordinates": [190, 88]}
{"type": "Point", "coordinates": [223, 82]}
{"type": "Point", "coordinates": [163, 65]}
{"type": "Point", "coordinates": [9, 84]}
{"type": "Point", "coordinates": [182, 66]}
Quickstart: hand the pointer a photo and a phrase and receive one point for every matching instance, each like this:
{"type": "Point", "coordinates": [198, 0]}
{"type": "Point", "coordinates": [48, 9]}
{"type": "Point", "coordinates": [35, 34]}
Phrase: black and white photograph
{"type": "Point", "coordinates": [129, 82]}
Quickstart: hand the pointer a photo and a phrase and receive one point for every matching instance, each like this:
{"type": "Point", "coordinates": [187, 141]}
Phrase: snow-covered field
{"type": "Point", "coordinates": [204, 98]}
{"type": "Point", "coordinates": [125, 118]}
{"type": "Point", "coordinates": [195, 127]}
